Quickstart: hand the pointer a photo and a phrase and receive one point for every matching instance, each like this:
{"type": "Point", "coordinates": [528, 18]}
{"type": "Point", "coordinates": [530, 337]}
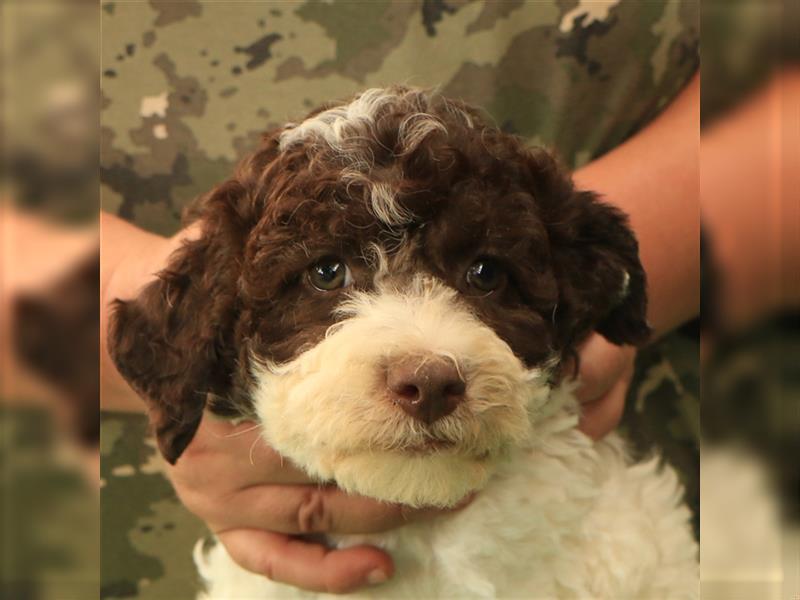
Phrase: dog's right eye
{"type": "Point", "coordinates": [486, 275]}
{"type": "Point", "coordinates": [329, 274]}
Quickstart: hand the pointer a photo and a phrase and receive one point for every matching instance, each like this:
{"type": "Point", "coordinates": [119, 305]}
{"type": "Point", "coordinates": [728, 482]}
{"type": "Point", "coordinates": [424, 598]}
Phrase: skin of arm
{"type": "Point", "coordinates": [34, 254]}
{"type": "Point", "coordinates": [749, 184]}
{"type": "Point", "coordinates": [654, 178]}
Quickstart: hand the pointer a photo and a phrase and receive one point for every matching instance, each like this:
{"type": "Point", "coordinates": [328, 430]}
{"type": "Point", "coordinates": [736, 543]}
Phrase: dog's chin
{"type": "Point", "coordinates": [417, 477]}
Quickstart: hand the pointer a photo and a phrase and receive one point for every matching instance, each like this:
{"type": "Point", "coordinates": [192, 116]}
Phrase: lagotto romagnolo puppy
{"type": "Point", "coordinates": [388, 288]}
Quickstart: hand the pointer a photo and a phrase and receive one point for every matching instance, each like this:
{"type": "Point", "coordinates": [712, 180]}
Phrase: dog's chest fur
{"type": "Point", "coordinates": [563, 518]}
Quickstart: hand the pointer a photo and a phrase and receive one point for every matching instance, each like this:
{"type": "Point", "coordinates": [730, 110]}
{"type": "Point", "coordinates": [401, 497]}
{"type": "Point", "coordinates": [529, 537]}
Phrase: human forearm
{"type": "Point", "coordinates": [130, 258]}
{"type": "Point", "coordinates": [749, 189]}
{"type": "Point", "coordinates": [653, 177]}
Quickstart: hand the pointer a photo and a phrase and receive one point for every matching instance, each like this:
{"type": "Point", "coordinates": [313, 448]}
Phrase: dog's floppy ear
{"type": "Point", "coordinates": [173, 342]}
{"type": "Point", "coordinates": [595, 257]}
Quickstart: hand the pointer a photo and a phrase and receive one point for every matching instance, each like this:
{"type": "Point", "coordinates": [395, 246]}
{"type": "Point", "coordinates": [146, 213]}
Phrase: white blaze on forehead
{"type": "Point", "coordinates": [385, 206]}
{"type": "Point", "coordinates": [354, 122]}
{"type": "Point", "coordinates": [349, 130]}
{"type": "Point", "coordinates": [381, 199]}
{"type": "Point", "coordinates": [335, 124]}
{"type": "Point", "coordinates": [415, 128]}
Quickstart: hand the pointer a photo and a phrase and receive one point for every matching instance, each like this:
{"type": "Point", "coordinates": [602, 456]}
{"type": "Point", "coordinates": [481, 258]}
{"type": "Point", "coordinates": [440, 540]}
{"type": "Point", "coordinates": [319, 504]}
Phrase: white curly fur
{"type": "Point", "coordinates": [558, 516]}
{"type": "Point", "coordinates": [348, 130]}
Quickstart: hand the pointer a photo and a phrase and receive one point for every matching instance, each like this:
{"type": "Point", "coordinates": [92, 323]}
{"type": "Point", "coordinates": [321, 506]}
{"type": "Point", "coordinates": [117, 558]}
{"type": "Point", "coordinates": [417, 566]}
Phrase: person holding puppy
{"type": "Point", "coordinates": [244, 491]}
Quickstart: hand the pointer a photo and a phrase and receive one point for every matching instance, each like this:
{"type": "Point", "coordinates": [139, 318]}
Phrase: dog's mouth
{"type": "Point", "coordinates": [461, 434]}
{"type": "Point", "coordinates": [433, 445]}
{"type": "Point", "coordinates": [430, 446]}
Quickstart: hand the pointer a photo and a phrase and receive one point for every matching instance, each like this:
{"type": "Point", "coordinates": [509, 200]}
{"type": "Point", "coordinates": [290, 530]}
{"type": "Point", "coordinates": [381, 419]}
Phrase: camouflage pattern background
{"type": "Point", "coordinates": [49, 509]}
{"type": "Point", "coordinates": [188, 88]}
{"type": "Point", "coordinates": [49, 512]}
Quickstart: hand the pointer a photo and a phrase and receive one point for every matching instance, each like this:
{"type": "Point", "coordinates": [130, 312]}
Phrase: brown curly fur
{"type": "Point", "coordinates": [239, 291]}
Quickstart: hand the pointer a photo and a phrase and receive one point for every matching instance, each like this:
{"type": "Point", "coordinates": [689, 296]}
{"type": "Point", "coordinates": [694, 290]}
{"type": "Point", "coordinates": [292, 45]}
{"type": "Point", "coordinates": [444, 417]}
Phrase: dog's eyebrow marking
{"type": "Point", "coordinates": [304, 247]}
{"type": "Point", "coordinates": [380, 198]}
{"type": "Point", "coordinates": [385, 206]}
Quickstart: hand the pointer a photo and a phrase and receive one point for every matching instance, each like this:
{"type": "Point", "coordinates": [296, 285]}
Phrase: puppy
{"type": "Point", "coordinates": [388, 288]}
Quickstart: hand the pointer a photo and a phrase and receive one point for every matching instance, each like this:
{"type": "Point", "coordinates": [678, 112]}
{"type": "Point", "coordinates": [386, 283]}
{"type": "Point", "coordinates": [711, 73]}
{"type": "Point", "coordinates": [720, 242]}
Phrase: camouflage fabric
{"type": "Point", "coordinates": [662, 410]}
{"type": "Point", "coordinates": [188, 88]}
{"type": "Point", "coordinates": [49, 122]}
{"type": "Point", "coordinates": [147, 534]}
{"type": "Point", "coordinates": [743, 43]}
{"type": "Point", "coordinates": [751, 397]}
{"type": "Point", "coordinates": [44, 500]}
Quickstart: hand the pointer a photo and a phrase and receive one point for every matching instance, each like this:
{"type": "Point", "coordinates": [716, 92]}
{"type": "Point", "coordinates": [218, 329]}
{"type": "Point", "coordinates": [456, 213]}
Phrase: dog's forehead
{"type": "Point", "coordinates": [352, 127]}
{"type": "Point", "coordinates": [347, 218]}
{"type": "Point", "coordinates": [394, 159]}
{"type": "Point", "coordinates": [399, 184]}
{"type": "Point", "coordinates": [371, 150]}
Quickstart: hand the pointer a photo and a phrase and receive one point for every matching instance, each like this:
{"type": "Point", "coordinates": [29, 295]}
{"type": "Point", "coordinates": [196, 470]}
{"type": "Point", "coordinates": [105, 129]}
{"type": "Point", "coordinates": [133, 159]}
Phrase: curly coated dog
{"type": "Point", "coordinates": [389, 288]}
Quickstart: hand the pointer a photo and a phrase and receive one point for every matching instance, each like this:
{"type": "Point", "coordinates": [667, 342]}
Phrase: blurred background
{"type": "Point", "coordinates": [180, 88]}
{"type": "Point", "coordinates": [750, 409]}
{"type": "Point", "coordinates": [49, 434]}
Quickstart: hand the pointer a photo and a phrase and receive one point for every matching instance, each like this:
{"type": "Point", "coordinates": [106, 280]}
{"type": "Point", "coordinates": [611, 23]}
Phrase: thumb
{"type": "Point", "coordinates": [600, 415]}
{"type": "Point", "coordinates": [602, 365]}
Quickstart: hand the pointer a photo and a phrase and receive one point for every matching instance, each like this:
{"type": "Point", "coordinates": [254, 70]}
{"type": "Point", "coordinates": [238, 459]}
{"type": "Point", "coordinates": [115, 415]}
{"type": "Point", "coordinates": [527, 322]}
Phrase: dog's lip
{"type": "Point", "coordinates": [430, 445]}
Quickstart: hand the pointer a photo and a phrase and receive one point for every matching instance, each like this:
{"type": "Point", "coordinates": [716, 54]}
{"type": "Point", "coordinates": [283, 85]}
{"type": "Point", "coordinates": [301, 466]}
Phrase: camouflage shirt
{"type": "Point", "coordinates": [188, 87]}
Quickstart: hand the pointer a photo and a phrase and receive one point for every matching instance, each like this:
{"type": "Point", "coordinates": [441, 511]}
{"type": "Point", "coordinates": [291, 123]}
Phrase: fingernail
{"type": "Point", "coordinates": [377, 576]}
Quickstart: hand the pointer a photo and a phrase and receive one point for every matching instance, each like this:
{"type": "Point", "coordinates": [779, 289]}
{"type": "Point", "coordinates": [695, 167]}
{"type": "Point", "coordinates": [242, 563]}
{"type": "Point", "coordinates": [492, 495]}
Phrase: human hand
{"type": "Point", "coordinates": [256, 503]}
{"type": "Point", "coordinates": [604, 377]}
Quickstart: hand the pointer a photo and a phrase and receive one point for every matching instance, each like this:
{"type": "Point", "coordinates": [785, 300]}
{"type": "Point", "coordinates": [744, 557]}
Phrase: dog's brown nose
{"type": "Point", "coordinates": [426, 389]}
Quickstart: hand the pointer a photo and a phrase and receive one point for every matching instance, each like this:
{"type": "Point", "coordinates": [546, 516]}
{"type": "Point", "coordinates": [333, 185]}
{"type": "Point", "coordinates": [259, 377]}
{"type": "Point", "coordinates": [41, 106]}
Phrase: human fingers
{"type": "Point", "coordinates": [301, 509]}
{"type": "Point", "coordinates": [601, 415]}
{"type": "Point", "coordinates": [602, 364]}
{"type": "Point", "coordinates": [224, 457]}
{"type": "Point", "coordinates": [307, 565]}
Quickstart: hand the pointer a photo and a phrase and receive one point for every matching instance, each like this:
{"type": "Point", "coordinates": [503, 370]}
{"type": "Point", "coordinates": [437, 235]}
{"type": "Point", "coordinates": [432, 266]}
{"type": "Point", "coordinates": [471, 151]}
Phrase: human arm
{"type": "Point", "coordinates": [738, 173]}
{"type": "Point", "coordinates": [749, 186]}
{"type": "Point", "coordinates": [653, 177]}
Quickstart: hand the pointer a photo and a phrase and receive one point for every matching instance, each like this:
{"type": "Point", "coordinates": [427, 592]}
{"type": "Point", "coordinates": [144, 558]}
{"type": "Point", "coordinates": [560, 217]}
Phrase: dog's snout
{"type": "Point", "coordinates": [427, 390]}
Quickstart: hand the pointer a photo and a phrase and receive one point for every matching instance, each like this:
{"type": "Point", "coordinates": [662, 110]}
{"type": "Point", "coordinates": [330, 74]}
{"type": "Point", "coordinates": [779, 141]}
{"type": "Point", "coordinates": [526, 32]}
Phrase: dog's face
{"type": "Point", "coordinates": [387, 287]}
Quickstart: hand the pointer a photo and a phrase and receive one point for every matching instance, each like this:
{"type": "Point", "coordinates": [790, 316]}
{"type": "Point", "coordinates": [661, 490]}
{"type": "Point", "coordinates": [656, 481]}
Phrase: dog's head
{"type": "Point", "coordinates": [387, 286]}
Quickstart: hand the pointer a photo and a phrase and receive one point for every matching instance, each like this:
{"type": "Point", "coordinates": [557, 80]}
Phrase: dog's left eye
{"type": "Point", "coordinates": [486, 275]}
{"type": "Point", "coordinates": [329, 274]}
